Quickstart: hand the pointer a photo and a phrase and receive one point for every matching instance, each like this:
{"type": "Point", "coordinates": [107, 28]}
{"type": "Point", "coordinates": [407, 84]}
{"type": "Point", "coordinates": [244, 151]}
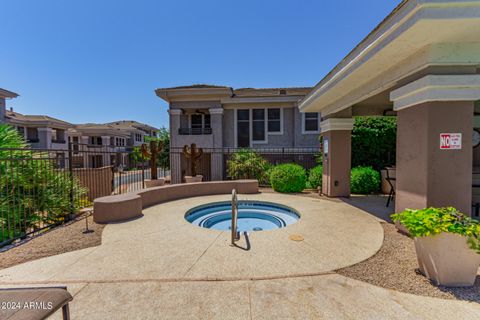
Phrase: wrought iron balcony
{"type": "Point", "coordinates": [194, 131]}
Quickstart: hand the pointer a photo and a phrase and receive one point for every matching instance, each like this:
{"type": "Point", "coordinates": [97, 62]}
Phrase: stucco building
{"type": "Point", "coordinates": [39, 131]}
{"type": "Point", "coordinates": [423, 64]}
{"type": "Point", "coordinates": [96, 144]}
{"type": "Point", "coordinates": [4, 96]}
{"type": "Point", "coordinates": [220, 117]}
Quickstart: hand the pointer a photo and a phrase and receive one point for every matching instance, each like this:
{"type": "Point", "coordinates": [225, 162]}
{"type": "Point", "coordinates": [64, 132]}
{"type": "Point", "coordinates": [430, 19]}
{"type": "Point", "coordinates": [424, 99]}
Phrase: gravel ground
{"type": "Point", "coordinates": [65, 238]}
{"type": "Point", "coordinates": [395, 267]}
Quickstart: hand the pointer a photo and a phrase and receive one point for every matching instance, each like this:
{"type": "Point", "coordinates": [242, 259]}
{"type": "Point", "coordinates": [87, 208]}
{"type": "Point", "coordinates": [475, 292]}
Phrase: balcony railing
{"type": "Point", "coordinates": [194, 131]}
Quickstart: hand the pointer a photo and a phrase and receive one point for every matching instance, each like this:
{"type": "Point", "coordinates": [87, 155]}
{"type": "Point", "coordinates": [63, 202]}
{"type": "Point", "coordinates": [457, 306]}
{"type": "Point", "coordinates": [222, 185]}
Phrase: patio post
{"type": "Point", "coordinates": [175, 155]}
{"type": "Point", "coordinates": [216, 155]}
{"type": "Point", "coordinates": [337, 137]}
{"type": "Point", "coordinates": [434, 142]}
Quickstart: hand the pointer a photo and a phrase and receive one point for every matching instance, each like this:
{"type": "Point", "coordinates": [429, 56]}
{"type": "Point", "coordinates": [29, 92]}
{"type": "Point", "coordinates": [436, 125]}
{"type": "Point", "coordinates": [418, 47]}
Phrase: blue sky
{"type": "Point", "coordinates": [100, 60]}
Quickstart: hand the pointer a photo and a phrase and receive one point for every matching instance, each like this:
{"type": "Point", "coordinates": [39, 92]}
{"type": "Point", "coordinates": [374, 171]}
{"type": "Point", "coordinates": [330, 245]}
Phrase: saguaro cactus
{"type": "Point", "coordinates": [193, 153]}
{"type": "Point", "coordinates": [155, 148]}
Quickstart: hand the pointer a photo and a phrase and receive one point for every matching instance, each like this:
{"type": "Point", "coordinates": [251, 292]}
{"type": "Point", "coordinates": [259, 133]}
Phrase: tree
{"type": "Point", "coordinates": [374, 142]}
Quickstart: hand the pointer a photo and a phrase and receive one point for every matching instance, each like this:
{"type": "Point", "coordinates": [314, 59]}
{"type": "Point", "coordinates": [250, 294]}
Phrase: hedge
{"type": "Point", "coordinates": [288, 178]}
{"type": "Point", "coordinates": [364, 180]}
{"type": "Point", "coordinates": [374, 142]}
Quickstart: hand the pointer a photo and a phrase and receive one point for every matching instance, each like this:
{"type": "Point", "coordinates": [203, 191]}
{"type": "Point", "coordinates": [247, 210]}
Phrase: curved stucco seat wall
{"type": "Point", "coordinates": [127, 206]}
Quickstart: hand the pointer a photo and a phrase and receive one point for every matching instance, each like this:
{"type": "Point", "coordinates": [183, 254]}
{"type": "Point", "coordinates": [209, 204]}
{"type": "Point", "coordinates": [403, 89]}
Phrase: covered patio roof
{"type": "Point", "coordinates": [419, 37]}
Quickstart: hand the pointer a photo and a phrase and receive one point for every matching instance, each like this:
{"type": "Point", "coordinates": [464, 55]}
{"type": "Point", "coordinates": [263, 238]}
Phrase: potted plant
{"type": "Point", "coordinates": [447, 244]}
{"type": "Point", "coordinates": [193, 153]}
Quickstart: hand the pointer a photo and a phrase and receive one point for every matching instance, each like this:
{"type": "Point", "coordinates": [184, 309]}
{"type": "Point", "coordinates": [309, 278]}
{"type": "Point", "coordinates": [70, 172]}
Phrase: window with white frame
{"type": "Point", "coordinates": [243, 128]}
{"type": "Point", "coordinates": [96, 141]}
{"type": "Point", "coordinates": [120, 142]}
{"type": "Point", "coordinates": [310, 122]}
{"type": "Point", "coordinates": [258, 125]}
{"type": "Point", "coordinates": [138, 137]}
{"type": "Point", "coordinates": [200, 121]}
{"type": "Point", "coordinates": [274, 120]}
{"type": "Point", "coordinates": [254, 125]}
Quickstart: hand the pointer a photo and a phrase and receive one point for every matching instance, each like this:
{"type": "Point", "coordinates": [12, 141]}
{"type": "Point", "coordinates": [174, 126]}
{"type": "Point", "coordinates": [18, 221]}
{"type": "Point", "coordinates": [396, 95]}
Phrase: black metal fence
{"type": "Point", "coordinates": [43, 188]}
{"type": "Point", "coordinates": [306, 157]}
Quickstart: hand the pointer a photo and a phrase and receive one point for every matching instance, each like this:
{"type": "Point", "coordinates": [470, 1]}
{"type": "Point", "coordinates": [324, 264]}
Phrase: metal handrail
{"type": "Point", "coordinates": [235, 235]}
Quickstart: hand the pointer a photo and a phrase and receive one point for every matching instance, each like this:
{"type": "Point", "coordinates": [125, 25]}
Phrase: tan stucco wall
{"type": "Point", "coordinates": [292, 130]}
{"type": "Point", "coordinates": [336, 166]}
{"type": "Point", "coordinates": [426, 175]}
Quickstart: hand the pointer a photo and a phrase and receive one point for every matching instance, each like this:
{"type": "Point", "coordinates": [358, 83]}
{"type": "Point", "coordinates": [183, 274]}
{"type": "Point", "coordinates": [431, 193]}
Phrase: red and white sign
{"type": "Point", "coordinates": [450, 141]}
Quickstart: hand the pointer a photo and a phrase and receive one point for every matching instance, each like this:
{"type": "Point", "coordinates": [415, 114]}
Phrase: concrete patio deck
{"type": "Point", "coordinates": [160, 266]}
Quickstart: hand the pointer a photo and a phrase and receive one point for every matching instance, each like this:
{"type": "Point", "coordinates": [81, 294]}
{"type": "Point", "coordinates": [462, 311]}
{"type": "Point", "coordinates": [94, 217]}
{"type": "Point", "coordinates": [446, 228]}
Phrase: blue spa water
{"type": "Point", "coordinates": [252, 216]}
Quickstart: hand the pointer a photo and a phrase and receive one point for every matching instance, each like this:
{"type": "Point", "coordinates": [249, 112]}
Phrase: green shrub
{"type": "Point", "coordinates": [41, 193]}
{"type": "Point", "coordinates": [247, 164]}
{"type": "Point", "coordinates": [374, 142]}
{"type": "Point", "coordinates": [364, 180]}
{"type": "Point", "coordinates": [266, 177]}
{"type": "Point", "coordinates": [315, 178]}
{"type": "Point", "coordinates": [288, 178]}
{"type": "Point", "coordinates": [432, 221]}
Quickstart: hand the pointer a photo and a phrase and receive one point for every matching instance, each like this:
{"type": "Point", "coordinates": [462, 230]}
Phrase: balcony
{"type": "Point", "coordinates": [194, 131]}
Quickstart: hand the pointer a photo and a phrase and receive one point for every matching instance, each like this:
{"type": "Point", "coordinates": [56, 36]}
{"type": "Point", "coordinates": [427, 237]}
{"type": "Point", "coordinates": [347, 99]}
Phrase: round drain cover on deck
{"type": "Point", "coordinates": [296, 237]}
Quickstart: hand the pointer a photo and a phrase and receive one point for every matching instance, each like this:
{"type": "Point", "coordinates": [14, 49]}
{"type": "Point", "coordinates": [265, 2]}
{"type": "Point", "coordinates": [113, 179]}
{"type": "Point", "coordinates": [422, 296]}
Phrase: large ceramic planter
{"type": "Point", "coordinates": [190, 179]}
{"type": "Point", "coordinates": [447, 260]}
{"type": "Point", "coordinates": [154, 183]}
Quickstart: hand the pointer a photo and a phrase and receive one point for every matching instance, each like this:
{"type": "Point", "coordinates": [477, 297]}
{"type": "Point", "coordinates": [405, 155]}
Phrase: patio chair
{"type": "Point", "coordinates": [390, 180]}
{"type": "Point", "coordinates": [476, 209]}
{"type": "Point", "coordinates": [34, 303]}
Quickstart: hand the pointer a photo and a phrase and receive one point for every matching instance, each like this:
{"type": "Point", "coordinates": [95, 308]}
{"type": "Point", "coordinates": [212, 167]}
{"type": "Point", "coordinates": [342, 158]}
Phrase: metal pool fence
{"type": "Point", "coordinates": [43, 188]}
{"type": "Point", "coordinates": [306, 157]}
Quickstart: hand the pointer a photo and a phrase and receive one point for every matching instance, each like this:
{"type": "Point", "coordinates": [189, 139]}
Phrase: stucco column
{"type": "Point", "coordinates": [44, 138]}
{"type": "Point", "coordinates": [83, 141]}
{"type": "Point", "coordinates": [175, 152]}
{"type": "Point", "coordinates": [337, 137]}
{"type": "Point", "coordinates": [107, 148]}
{"type": "Point", "coordinates": [216, 157]}
{"type": "Point", "coordinates": [430, 172]}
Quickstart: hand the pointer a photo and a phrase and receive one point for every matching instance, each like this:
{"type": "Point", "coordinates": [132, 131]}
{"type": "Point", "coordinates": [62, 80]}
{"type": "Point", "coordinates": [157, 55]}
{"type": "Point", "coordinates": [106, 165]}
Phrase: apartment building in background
{"type": "Point", "coordinates": [220, 117]}
{"type": "Point", "coordinates": [94, 145]}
